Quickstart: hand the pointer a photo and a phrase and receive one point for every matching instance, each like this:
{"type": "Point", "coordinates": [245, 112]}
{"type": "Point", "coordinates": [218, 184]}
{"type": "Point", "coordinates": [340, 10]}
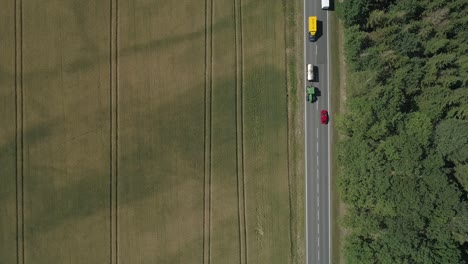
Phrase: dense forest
{"type": "Point", "coordinates": [404, 148]}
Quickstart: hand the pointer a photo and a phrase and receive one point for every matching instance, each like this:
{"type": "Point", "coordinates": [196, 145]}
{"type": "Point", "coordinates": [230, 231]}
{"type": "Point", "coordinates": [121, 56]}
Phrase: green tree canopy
{"type": "Point", "coordinates": [404, 155]}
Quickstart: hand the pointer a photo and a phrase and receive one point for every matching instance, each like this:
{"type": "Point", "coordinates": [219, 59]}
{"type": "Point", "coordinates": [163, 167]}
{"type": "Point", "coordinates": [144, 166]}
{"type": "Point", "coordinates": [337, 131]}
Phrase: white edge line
{"type": "Point", "coordinates": [305, 137]}
{"type": "Point", "coordinates": [329, 148]}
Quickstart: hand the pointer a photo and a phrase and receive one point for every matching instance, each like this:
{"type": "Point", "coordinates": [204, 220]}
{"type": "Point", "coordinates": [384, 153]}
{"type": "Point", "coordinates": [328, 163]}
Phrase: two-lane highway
{"type": "Point", "coordinates": [317, 141]}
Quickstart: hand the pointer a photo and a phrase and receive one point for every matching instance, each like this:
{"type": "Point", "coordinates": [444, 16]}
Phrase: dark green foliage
{"type": "Point", "coordinates": [408, 44]}
{"type": "Point", "coordinates": [452, 140]}
{"type": "Point", "coordinates": [435, 46]}
{"type": "Point", "coordinates": [408, 77]}
{"type": "Point", "coordinates": [461, 172]}
{"type": "Point", "coordinates": [355, 43]}
{"type": "Point", "coordinates": [353, 12]}
{"type": "Point", "coordinates": [405, 157]}
{"type": "Point", "coordinates": [412, 9]}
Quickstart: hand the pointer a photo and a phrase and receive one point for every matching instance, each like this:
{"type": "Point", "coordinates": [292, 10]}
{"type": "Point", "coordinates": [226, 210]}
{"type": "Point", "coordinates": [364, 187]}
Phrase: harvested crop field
{"type": "Point", "coordinates": [145, 132]}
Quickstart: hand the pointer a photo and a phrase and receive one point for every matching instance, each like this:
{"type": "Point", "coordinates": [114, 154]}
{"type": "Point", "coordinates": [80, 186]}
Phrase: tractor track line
{"type": "Point", "coordinates": [113, 123]}
{"type": "Point", "coordinates": [116, 130]}
{"type": "Point", "coordinates": [204, 143]}
{"type": "Point", "coordinates": [235, 114]}
{"type": "Point", "coordinates": [238, 115]}
{"type": "Point", "coordinates": [19, 130]}
{"type": "Point", "coordinates": [211, 128]}
{"type": "Point", "coordinates": [110, 140]}
{"type": "Point", "coordinates": [207, 131]}
{"type": "Point", "coordinates": [242, 126]}
{"type": "Point", "coordinates": [22, 134]}
{"type": "Point", "coordinates": [211, 118]}
{"type": "Point", "coordinates": [241, 95]}
{"type": "Point", "coordinates": [240, 133]}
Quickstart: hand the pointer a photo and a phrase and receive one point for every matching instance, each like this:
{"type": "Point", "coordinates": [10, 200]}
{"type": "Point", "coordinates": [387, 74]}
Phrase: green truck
{"type": "Point", "coordinates": [311, 97]}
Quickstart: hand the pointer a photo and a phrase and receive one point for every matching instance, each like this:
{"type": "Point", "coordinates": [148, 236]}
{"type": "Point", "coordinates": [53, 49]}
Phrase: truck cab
{"type": "Point", "coordinates": [325, 4]}
{"type": "Point", "coordinates": [312, 28]}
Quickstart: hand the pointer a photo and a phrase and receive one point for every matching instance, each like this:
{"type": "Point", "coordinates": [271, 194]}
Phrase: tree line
{"type": "Point", "coordinates": [404, 153]}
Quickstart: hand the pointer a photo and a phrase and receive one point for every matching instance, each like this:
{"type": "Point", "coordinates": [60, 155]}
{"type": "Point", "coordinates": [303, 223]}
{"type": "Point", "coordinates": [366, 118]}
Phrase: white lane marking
{"type": "Point", "coordinates": [316, 48]}
{"type": "Point", "coordinates": [318, 248]}
{"type": "Point", "coordinates": [305, 139]}
{"type": "Point", "coordinates": [329, 149]}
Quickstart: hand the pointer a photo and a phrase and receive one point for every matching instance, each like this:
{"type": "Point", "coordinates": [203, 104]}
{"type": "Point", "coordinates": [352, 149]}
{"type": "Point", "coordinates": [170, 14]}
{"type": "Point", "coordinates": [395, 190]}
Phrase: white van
{"type": "Point", "coordinates": [325, 4]}
{"type": "Point", "coordinates": [310, 72]}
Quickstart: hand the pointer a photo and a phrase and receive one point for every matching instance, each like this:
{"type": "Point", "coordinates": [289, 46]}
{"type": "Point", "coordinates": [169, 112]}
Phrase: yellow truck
{"type": "Point", "coordinates": [312, 28]}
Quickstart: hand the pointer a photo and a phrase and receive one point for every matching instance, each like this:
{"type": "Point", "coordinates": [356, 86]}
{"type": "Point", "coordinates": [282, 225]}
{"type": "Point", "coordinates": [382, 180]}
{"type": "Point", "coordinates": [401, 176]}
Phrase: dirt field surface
{"type": "Point", "coordinates": [148, 132]}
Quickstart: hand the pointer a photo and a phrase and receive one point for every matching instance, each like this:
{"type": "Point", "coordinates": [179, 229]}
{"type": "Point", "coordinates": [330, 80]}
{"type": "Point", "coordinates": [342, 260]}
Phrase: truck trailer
{"type": "Point", "coordinates": [312, 28]}
{"type": "Point", "coordinates": [310, 72]}
{"type": "Point", "coordinates": [325, 4]}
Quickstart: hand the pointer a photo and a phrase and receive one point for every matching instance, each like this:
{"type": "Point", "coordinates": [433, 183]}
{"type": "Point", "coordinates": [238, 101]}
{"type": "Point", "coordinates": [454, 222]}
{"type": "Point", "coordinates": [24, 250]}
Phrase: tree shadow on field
{"type": "Point", "coordinates": [90, 193]}
{"type": "Point", "coordinates": [8, 149]}
{"type": "Point", "coordinates": [5, 75]}
{"type": "Point", "coordinates": [95, 57]}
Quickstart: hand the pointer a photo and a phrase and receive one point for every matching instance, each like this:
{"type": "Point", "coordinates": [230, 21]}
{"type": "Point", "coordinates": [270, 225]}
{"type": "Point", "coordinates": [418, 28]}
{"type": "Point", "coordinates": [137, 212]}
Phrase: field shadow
{"type": "Point", "coordinates": [93, 185]}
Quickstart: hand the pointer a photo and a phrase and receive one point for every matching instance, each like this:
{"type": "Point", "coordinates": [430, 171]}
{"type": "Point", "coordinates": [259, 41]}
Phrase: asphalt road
{"type": "Point", "coordinates": [317, 140]}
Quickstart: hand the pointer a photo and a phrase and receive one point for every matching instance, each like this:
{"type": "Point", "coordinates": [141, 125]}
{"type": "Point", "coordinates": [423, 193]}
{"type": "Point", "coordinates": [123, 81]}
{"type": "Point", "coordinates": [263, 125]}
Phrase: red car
{"type": "Point", "coordinates": [324, 117]}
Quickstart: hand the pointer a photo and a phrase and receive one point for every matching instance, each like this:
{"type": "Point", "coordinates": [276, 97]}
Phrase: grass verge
{"type": "Point", "coordinates": [294, 48]}
{"type": "Point", "coordinates": [338, 85]}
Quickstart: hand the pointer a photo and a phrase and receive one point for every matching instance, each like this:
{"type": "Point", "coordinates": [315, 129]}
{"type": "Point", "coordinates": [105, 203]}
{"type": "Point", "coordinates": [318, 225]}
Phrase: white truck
{"type": "Point", "coordinates": [325, 4]}
{"type": "Point", "coordinates": [310, 72]}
